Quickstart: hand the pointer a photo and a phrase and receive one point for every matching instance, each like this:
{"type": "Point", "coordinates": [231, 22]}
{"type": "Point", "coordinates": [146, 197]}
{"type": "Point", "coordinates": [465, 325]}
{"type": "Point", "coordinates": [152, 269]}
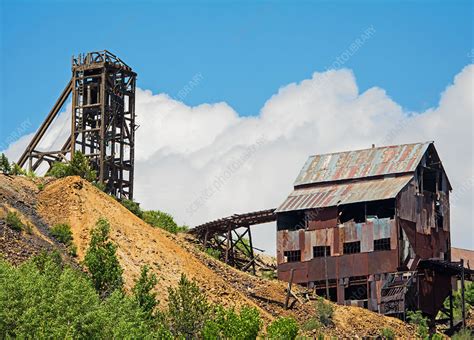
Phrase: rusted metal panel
{"type": "Point", "coordinates": [367, 238]}
{"type": "Point", "coordinates": [407, 202]}
{"type": "Point", "coordinates": [382, 262]}
{"type": "Point", "coordinates": [344, 193]}
{"type": "Point", "coordinates": [361, 163]}
{"type": "Point", "coordinates": [322, 218]}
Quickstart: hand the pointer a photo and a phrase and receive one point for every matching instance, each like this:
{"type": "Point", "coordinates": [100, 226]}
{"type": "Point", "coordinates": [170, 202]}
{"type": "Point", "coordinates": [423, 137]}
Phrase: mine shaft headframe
{"type": "Point", "coordinates": [103, 121]}
{"type": "Point", "coordinates": [103, 118]}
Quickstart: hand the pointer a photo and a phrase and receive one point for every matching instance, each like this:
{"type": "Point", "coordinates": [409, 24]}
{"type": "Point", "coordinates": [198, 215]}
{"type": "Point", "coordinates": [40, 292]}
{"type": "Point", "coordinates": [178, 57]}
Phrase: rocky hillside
{"type": "Point", "coordinates": [42, 203]}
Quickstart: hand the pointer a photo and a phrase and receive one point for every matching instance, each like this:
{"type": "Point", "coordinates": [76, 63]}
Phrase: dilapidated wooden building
{"type": "Point", "coordinates": [370, 228]}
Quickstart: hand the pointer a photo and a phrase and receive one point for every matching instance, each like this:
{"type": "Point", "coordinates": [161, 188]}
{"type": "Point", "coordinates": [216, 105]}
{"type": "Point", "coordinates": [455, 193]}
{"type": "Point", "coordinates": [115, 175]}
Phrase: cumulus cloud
{"type": "Point", "coordinates": [206, 161]}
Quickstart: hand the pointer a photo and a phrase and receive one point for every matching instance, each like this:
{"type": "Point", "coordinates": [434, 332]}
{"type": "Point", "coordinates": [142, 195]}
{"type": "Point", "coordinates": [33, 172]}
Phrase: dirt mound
{"type": "Point", "coordinates": [76, 202]}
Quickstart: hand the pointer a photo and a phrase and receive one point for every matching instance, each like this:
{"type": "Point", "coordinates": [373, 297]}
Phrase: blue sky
{"type": "Point", "coordinates": [244, 51]}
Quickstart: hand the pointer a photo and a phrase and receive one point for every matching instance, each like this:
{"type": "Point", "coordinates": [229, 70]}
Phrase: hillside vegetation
{"type": "Point", "coordinates": [44, 203]}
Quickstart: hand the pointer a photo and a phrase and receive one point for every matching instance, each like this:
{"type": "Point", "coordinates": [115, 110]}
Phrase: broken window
{"type": "Point", "coordinates": [321, 251]}
{"type": "Point", "coordinates": [292, 220]}
{"type": "Point", "coordinates": [352, 212]}
{"type": "Point", "coordinates": [430, 178]}
{"type": "Point", "coordinates": [351, 247]}
{"type": "Point", "coordinates": [380, 209]}
{"type": "Point", "coordinates": [332, 293]}
{"type": "Point", "coordinates": [382, 244]}
{"type": "Point", "coordinates": [360, 212]}
{"type": "Point", "coordinates": [292, 255]}
{"type": "Point", "coordinates": [356, 292]}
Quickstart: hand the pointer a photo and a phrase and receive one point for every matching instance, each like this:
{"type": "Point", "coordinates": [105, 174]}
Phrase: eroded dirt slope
{"type": "Point", "coordinates": [76, 202]}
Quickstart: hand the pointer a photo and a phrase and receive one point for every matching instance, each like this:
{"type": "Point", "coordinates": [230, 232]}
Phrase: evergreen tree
{"type": "Point", "coordinates": [102, 262]}
{"type": "Point", "coordinates": [4, 164]}
{"type": "Point", "coordinates": [143, 291]}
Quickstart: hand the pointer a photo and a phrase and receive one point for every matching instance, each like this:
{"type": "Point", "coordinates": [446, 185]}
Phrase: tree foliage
{"type": "Point", "coordinates": [420, 321]}
{"type": "Point", "coordinates": [133, 207]}
{"type": "Point", "coordinates": [43, 298]}
{"type": "Point", "coordinates": [283, 328]}
{"type": "Point", "coordinates": [162, 220]}
{"type": "Point", "coordinates": [187, 309]}
{"type": "Point", "coordinates": [101, 260]}
{"type": "Point", "coordinates": [62, 232]}
{"type": "Point", "coordinates": [228, 324]}
{"type": "Point", "coordinates": [143, 291]}
{"type": "Point", "coordinates": [78, 166]}
{"type": "Point", "coordinates": [4, 164]}
{"type": "Point", "coordinates": [13, 221]}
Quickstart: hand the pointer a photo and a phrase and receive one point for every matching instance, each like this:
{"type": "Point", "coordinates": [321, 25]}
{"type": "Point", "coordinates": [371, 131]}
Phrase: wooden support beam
{"type": "Point", "coordinates": [290, 283]}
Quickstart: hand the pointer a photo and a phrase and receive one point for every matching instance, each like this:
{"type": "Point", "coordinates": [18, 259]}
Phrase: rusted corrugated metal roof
{"type": "Point", "coordinates": [467, 255]}
{"type": "Point", "coordinates": [362, 163]}
{"type": "Point", "coordinates": [344, 193]}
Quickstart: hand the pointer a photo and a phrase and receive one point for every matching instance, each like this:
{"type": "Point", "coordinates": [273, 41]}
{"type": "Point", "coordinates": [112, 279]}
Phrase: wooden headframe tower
{"type": "Point", "coordinates": [102, 124]}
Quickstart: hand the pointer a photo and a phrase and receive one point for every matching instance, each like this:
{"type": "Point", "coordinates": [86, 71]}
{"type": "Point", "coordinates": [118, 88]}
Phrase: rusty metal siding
{"type": "Point", "coordinates": [344, 193]}
{"type": "Point", "coordinates": [362, 163]}
{"type": "Point", "coordinates": [322, 218]}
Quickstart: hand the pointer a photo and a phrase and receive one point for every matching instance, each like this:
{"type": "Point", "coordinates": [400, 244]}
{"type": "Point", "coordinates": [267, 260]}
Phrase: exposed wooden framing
{"type": "Point", "coordinates": [222, 235]}
{"type": "Point", "coordinates": [102, 124]}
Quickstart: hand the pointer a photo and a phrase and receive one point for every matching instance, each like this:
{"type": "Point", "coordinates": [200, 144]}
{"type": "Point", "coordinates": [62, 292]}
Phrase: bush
{"type": "Point", "coordinates": [421, 323]}
{"type": "Point", "coordinates": [215, 253]}
{"type": "Point", "coordinates": [133, 207]}
{"type": "Point", "coordinates": [59, 170]}
{"type": "Point", "coordinates": [283, 328]}
{"type": "Point", "coordinates": [14, 221]}
{"type": "Point", "coordinates": [311, 325]}
{"type": "Point", "coordinates": [387, 334]}
{"type": "Point", "coordinates": [162, 220]}
{"type": "Point", "coordinates": [142, 291]}
{"type": "Point", "coordinates": [16, 170]}
{"type": "Point", "coordinates": [325, 311]}
{"type": "Point", "coordinates": [62, 232]}
{"type": "Point", "coordinates": [227, 324]}
{"type": "Point", "coordinates": [78, 166]}
{"type": "Point", "coordinates": [4, 164]}
{"type": "Point", "coordinates": [102, 262]}
{"type": "Point", "coordinates": [72, 250]}
{"type": "Point", "coordinates": [41, 299]}
{"type": "Point", "coordinates": [187, 309]}
{"type": "Point", "coordinates": [463, 334]}
{"type": "Point", "coordinates": [40, 186]}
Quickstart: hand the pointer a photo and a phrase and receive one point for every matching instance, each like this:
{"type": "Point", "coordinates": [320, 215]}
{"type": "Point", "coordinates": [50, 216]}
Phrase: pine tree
{"type": "Point", "coordinates": [4, 164]}
{"type": "Point", "coordinates": [102, 262]}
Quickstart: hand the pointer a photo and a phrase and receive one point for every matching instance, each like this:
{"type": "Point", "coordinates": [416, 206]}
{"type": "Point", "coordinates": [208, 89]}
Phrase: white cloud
{"type": "Point", "coordinates": [206, 162]}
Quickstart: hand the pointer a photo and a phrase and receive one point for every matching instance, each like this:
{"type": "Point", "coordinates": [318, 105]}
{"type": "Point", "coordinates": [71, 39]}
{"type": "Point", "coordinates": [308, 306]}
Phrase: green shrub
{"type": "Point", "coordinates": [311, 325]}
{"type": "Point", "coordinates": [78, 166]}
{"type": "Point", "coordinates": [40, 186]}
{"type": "Point", "coordinates": [325, 311]}
{"type": "Point", "coordinates": [59, 170]}
{"type": "Point", "coordinates": [162, 220]}
{"type": "Point", "coordinates": [62, 232]}
{"type": "Point", "coordinates": [387, 334]}
{"type": "Point", "coordinates": [143, 291]}
{"type": "Point", "coordinates": [4, 164]}
{"type": "Point", "coordinates": [134, 207]}
{"type": "Point", "coordinates": [228, 324]}
{"type": "Point", "coordinates": [421, 323]}
{"type": "Point", "coordinates": [102, 262]}
{"type": "Point", "coordinates": [16, 170]}
{"type": "Point", "coordinates": [187, 309]}
{"type": "Point", "coordinates": [42, 298]}
{"type": "Point", "coordinates": [283, 328]}
{"type": "Point", "coordinates": [72, 250]}
{"type": "Point", "coordinates": [14, 221]}
{"type": "Point", "coordinates": [463, 334]}
{"type": "Point", "coordinates": [215, 253]}
{"type": "Point", "coordinates": [269, 274]}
